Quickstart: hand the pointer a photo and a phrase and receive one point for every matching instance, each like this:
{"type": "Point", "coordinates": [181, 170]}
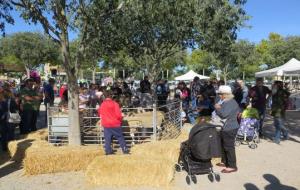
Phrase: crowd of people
{"type": "Point", "coordinates": [200, 99]}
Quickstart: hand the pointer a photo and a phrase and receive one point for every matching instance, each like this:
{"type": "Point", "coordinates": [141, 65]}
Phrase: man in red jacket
{"type": "Point", "coordinates": [111, 120]}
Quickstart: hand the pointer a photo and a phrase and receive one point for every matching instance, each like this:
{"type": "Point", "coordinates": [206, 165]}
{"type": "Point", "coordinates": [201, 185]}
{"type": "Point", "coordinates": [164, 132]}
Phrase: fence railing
{"type": "Point", "coordinates": [139, 124]}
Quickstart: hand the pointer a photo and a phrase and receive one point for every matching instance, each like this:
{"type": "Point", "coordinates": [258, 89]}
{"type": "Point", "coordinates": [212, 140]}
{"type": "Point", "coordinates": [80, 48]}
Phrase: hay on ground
{"type": "Point", "coordinates": [50, 159]}
{"type": "Point", "coordinates": [130, 171]}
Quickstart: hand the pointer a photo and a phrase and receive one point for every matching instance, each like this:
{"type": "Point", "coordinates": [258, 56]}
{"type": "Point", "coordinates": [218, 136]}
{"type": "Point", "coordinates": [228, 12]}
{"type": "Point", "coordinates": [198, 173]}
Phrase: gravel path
{"type": "Point", "coordinates": [269, 167]}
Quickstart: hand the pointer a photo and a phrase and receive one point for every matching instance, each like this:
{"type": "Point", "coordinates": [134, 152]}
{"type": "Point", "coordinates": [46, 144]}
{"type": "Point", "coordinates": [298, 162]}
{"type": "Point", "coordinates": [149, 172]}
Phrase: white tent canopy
{"type": "Point", "coordinates": [190, 76]}
{"type": "Point", "coordinates": [291, 67]}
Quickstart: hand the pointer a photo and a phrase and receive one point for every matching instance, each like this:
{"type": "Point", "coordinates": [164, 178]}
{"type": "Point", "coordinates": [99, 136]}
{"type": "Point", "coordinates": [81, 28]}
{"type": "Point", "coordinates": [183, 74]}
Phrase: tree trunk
{"type": "Point", "coordinates": [27, 72]}
{"type": "Point", "coordinates": [94, 76]}
{"type": "Point", "coordinates": [74, 135]}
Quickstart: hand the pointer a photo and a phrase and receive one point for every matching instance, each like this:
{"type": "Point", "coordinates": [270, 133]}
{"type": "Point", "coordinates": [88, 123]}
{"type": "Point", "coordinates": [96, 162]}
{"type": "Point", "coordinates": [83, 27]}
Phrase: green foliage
{"type": "Point", "coordinates": [5, 17]}
{"type": "Point", "coordinates": [277, 50]}
{"type": "Point", "coordinates": [151, 31]}
{"type": "Point", "coordinates": [246, 58]}
{"type": "Point", "coordinates": [200, 59]}
{"type": "Point", "coordinates": [28, 49]}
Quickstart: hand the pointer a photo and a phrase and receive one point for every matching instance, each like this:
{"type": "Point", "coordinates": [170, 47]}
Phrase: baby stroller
{"type": "Point", "coordinates": [196, 153]}
{"type": "Point", "coordinates": [248, 131]}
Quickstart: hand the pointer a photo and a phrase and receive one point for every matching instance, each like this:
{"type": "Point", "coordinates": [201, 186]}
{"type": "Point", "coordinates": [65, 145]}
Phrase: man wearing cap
{"type": "Point", "coordinates": [279, 98]}
{"type": "Point", "coordinates": [227, 109]}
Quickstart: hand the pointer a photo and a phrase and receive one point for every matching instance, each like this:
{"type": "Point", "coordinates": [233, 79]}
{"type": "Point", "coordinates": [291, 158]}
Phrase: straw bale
{"type": "Point", "coordinates": [130, 171]}
{"type": "Point", "coordinates": [166, 149]}
{"type": "Point", "coordinates": [17, 149]}
{"type": "Point", "coordinates": [41, 134]}
{"type": "Point", "coordinates": [50, 159]}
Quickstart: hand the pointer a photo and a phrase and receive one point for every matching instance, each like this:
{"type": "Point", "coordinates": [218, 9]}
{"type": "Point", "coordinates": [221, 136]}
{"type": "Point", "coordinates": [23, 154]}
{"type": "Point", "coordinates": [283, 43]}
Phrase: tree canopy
{"type": "Point", "coordinates": [28, 50]}
{"type": "Point", "coordinates": [151, 31]}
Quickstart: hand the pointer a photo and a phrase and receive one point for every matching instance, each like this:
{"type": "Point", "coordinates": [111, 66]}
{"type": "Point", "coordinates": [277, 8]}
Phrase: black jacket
{"type": "Point", "coordinates": [4, 108]}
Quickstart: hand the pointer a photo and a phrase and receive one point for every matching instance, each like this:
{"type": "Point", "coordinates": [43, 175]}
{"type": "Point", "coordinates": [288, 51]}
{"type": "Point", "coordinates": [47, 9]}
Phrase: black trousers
{"type": "Point", "coordinates": [29, 119]}
{"type": "Point", "coordinates": [7, 132]}
{"type": "Point", "coordinates": [228, 147]}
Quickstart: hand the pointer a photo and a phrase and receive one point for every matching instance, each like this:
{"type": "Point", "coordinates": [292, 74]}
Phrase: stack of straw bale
{"type": "Point", "coordinates": [150, 164]}
{"type": "Point", "coordinates": [39, 157]}
{"type": "Point", "coordinates": [50, 159]}
{"type": "Point", "coordinates": [130, 171]}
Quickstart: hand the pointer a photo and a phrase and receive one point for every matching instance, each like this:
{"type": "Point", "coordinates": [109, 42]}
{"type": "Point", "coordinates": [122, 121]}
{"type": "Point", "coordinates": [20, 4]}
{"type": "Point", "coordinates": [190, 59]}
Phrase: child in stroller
{"type": "Point", "coordinates": [248, 131]}
{"type": "Point", "coordinates": [196, 153]}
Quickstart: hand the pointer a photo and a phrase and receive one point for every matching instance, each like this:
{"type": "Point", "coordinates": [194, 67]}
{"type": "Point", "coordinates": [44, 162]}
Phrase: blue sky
{"type": "Point", "coordinates": [280, 16]}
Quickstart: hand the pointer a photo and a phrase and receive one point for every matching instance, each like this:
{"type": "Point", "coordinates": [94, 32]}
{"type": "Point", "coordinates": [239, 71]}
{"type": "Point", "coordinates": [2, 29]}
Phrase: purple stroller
{"type": "Point", "coordinates": [248, 133]}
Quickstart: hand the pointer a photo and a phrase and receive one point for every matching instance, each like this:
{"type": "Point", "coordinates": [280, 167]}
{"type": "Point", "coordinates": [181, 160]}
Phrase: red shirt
{"type": "Point", "coordinates": [110, 114]}
{"type": "Point", "coordinates": [61, 91]}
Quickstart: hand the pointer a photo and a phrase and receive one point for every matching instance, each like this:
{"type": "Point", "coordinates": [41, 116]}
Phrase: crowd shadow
{"type": "Point", "coordinates": [274, 184]}
{"type": "Point", "coordinates": [12, 164]}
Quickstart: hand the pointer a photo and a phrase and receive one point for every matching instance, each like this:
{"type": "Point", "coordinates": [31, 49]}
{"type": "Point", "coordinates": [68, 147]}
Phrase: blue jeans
{"type": "Point", "coordinates": [262, 115]}
{"type": "Point", "coordinates": [279, 126]}
{"type": "Point", "coordinates": [116, 132]}
{"type": "Point", "coordinates": [192, 117]}
{"type": "Point", "coordinates": [194, 102]}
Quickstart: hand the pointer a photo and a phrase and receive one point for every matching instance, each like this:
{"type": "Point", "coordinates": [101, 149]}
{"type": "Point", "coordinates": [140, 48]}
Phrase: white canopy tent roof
{"type": "Point", "coordinates": [190, 76]}
{"type": "Point", "coordinates": [289, 68]}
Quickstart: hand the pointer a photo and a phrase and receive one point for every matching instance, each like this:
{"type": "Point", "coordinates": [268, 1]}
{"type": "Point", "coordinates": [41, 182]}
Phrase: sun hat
{"type": "Point", "coordinates": [224, 89]}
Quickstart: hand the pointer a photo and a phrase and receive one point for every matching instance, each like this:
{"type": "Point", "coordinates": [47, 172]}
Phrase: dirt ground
{"type": "Point", "coordinates": [269, 167]}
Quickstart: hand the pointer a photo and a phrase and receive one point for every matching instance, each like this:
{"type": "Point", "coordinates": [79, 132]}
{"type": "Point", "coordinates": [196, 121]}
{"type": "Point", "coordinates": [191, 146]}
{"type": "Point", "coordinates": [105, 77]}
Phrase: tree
{"type": "Point", "coordinates": [5, 7]}
{"type": "Point", "coordinates": [246, 58]}
{"type": "Point", "coordinates": [152, 31]}
{"type": "Point", "coordinates": [200, 60]}
{"type": "Point", "coordinates": [277, 50]}
{"type": "Point", "coordinates": [57, 18]}
{"type": "Point", "coordinates": [28, 49]}
{"type": "Point", "coordinates": [220, 20]}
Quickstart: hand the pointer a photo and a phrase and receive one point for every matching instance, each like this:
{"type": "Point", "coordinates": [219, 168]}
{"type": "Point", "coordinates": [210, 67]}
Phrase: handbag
{"type": "Point", "coordinates": [14, 118]}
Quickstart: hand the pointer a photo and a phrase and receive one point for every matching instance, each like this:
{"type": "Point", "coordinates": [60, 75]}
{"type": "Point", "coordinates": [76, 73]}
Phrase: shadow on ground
{"type": "Point", "coordinates": [10, 165]}
{"type": "Point", "coordinates": [274, 184]}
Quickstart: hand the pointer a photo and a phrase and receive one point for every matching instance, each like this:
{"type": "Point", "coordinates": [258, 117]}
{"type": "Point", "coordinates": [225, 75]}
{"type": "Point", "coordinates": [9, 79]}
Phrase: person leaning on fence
{"type": "Point", "coordinates": [227, 109]}
{"type": "Point", "coordinates": [111, 120]}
